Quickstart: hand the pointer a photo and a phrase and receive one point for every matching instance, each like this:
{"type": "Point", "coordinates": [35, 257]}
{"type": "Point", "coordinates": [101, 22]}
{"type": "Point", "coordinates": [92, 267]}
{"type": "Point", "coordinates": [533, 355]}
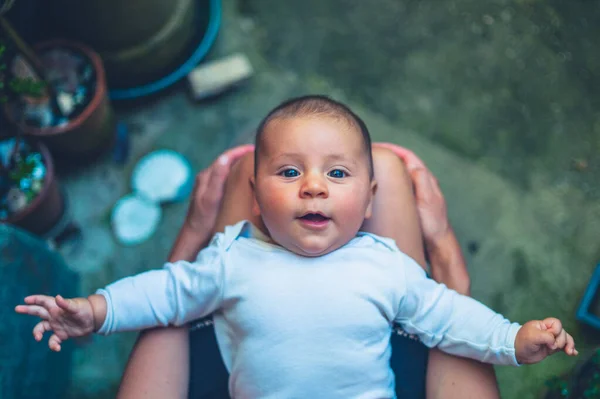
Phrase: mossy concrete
{"type": "Point", "coordinates": [499, 98]}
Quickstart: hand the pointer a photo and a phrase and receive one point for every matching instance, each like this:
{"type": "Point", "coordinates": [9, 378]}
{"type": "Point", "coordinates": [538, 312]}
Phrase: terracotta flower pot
{"type": "Point", "coordinates": [47, 208]}
{"type": "Point", "coordinates": [90, 131]}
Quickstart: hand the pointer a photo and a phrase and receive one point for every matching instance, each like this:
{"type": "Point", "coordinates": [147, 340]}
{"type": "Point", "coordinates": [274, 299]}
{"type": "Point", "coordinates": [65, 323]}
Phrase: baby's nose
{"type": "Point", "coordinates": [314, 187]}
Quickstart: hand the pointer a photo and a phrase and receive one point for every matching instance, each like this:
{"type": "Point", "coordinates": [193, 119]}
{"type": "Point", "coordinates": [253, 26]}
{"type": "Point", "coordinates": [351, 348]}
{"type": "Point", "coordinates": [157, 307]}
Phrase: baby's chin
{"type": "Point", "coordinates": [311, 251]}
{"type": "Point", "coordinates": [308, 247]}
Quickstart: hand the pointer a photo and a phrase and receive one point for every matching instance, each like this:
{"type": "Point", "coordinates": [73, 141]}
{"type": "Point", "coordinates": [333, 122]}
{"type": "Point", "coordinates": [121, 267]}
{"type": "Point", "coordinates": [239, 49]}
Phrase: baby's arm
{"type": "Point", "coordinates": [465, 327]}
{"type": "Point", "coordinates": [176, 294]}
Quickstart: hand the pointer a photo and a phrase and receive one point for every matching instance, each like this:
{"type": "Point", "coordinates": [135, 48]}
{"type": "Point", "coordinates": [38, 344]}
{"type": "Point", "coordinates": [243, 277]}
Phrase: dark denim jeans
{"type": "Point", "coordinates": [208, 376]}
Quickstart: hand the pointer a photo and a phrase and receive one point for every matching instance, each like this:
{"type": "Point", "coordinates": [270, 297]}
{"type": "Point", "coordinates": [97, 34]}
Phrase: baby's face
{"type": "Point", "coordinates": [312, 184]}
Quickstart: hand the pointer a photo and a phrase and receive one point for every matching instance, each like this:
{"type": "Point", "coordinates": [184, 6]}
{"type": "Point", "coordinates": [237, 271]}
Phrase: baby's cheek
{"type": "Point", "coordinates": [276, 201]}
{"type": "Point", "coordinates": [351, 211]}
{"type": "Point", "coordinates": [275, 204]}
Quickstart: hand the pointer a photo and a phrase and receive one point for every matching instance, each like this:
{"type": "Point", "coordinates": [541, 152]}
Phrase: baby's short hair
{"type": "Point", "coordinates": [315, 105]}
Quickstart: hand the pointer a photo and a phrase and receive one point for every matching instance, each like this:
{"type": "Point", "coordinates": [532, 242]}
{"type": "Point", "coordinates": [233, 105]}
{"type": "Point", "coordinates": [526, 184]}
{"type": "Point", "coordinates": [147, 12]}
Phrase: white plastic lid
{"type": "Point", "coordinates": [134, 219]}
{"type": "Point", "coordinates": [162, 176]}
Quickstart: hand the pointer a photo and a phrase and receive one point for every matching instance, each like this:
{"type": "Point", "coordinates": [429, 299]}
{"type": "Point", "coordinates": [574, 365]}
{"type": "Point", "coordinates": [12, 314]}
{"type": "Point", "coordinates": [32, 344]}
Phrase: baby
{"type": "Point", "coordinates": [305, 311]}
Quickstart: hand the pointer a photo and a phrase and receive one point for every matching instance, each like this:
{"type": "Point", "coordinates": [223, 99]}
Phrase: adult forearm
{"type": "Point", "coordinates": [447, 262]}
{"type": "Point", "coordinates": [188, 243]}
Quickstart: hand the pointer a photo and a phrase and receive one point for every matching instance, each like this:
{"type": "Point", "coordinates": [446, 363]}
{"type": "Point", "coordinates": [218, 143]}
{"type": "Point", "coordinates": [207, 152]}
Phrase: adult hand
{"type": "Point", "coordinates": [431, 204]}
{"type": "Point", "coordinates": [208, 190]}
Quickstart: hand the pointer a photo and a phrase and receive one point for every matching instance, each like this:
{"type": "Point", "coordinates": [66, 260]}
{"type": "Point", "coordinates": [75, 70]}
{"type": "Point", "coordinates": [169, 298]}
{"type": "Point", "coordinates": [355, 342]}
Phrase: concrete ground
{"type": "Point", "coordinates": [500, 98]}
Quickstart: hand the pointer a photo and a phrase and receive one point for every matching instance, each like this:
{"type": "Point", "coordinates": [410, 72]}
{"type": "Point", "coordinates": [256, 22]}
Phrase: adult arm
{"type": "Point", "coordinates": [158, 365]}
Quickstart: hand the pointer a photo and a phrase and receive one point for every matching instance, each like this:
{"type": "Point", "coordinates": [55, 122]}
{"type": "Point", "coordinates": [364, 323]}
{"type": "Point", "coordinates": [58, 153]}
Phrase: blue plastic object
{"type": "Point", "coordinates": [208, 39]}
{"type": "Point", "coordinates": [121, 148]}
{"type": "Point", "coordinates": [583, 313]}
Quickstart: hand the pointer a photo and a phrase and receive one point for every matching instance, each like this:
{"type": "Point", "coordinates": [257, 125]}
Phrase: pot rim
{"type": "Point", "coordinates": [181, 71]}
{"type": "Point", "coordinates": [48, 180]}
{"type": "Point", "coordinates": [99, 93]}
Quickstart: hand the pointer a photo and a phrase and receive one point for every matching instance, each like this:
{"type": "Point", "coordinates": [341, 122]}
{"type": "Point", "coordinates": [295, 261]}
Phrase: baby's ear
{"type": "Point", "coordinates": [255, 208]}
{"type": "Point", "coordinates": [373, 190]}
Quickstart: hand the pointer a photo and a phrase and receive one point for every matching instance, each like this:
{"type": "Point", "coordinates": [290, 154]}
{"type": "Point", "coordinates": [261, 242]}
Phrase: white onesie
{"type": "Point", "coordinates": [290, 326]}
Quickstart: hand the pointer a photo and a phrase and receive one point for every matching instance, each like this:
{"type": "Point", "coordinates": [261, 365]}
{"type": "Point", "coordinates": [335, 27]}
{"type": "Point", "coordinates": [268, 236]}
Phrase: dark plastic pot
{"type": "Point", "coordinates": [108, 25]}
{"type": "Point", "coordinates": [90, 132]}
{"type": "Point", "coordinates": [207, 23]}
{"type": "Point", "coordinates": [151, 58]}
{"type": "Point", "coordinates": [137, 39]}
{"type": "Point", "coordinates": [45, 210]}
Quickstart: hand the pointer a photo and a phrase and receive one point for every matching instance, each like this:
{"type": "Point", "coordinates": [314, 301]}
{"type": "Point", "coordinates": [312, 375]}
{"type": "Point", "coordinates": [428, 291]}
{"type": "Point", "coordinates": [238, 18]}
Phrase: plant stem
{"type": "Point", "coordinates": [15, 149]}
{"type": "Point", "coordinates": [33, 61]}
{"type": "Point", "coordinates": [3, 169]}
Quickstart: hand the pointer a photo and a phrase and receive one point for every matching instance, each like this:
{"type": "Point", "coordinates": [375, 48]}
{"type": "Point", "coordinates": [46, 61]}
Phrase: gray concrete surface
{"type": "Point", "coordinates": [499, 98]}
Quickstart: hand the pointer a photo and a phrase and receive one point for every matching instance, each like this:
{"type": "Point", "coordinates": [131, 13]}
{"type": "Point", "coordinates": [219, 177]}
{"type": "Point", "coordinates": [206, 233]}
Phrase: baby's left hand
{"type": "Point", "coordinates": [538, 339]}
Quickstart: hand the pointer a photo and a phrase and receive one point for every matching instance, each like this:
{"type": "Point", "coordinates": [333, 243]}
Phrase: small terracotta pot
{"type": "Point", "coordinates": [47, 208]}
{"type": "Point", "coordinates": [90, 132]}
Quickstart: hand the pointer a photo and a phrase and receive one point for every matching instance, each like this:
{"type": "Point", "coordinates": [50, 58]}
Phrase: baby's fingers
{"type": "Point", "coordinates": [54, 343]}
{"type": "Point", "coordinates": [410, 159]}
{"type": "Point", "coordinates": [41, 300]}
{"type": "Point", "coordinates": [66, 304]}
{"type": "Point", "coordinates": [553, 325]}
{"type": "Point", "coordinates": [40, 328]}
{"type": "Point", "coordinates": [570, 346]}
{"type": "Point", "coordinates": [33, 310]}
{"type": "Point", "coordinates": [560, 341]}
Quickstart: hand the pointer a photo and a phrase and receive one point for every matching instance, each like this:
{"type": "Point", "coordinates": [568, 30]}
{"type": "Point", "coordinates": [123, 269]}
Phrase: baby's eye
{"type": "Point", "coordinates": [289, 173]}
{"type": "Point", "coordinates": [337, 173]}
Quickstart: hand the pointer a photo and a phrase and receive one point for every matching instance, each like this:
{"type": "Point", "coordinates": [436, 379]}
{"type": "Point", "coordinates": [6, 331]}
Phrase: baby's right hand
{"type": "Point", "coordinates": [68, 318]}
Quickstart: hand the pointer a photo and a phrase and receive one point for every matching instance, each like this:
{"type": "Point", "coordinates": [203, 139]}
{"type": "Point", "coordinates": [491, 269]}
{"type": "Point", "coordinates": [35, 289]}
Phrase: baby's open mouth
{"type": "Point", "coordinates": [314, 217]}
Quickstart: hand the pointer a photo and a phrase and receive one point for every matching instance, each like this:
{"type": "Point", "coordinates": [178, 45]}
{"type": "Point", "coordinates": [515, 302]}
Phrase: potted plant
{"type": "Point", "coordinates": [556, 388]}
{"type": "Point", "coordinates": [29, 194]}
{"type": "Point", "coordinates": [72, 115]}
{"type": "Point", "coordinates": [583, 382]}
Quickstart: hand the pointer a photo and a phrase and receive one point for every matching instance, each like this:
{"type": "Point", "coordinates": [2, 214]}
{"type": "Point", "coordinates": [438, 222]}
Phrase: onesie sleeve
{"type": "Point", "coordinates": [454, 323]}
{"type": "Point", "coordinates": [174, 295]}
